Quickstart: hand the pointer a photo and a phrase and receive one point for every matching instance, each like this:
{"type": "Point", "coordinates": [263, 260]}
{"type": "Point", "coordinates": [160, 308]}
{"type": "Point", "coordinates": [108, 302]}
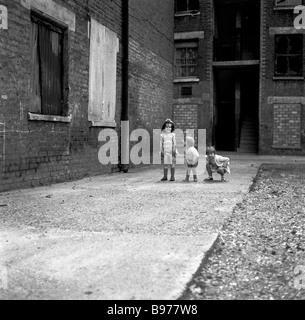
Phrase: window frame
{"type": "Point", "coordinates": [186, 45]}
{"type": "Point", "coordinates": [285, 6]}
{"type": "Point", "coordinates": [62, 30]}
{"type": "Point", "coordinates": [187, 7]}
{"type": "Point", "coordinates": [288, 55]}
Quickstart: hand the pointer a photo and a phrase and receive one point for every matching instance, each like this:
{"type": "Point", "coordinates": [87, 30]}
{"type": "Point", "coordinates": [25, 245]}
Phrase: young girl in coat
{"type": "Point", "coordinates": [216, 163]}
{"type": "Point", "coordinates": [168, 148]}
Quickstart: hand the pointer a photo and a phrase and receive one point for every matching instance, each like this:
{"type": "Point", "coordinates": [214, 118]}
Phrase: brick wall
{"type": "Point", "coordinates": [287, 126]}
{"type": "Point", "coordinates": [202, 91]}
{"type": "Point", "coordinates": [36, 153]}
{"type": "Point", "coordinates": [186, 116]}
{"type": "Point", "coordinates": [151, 62]}
{"type": "Point", "coordinates": [271, 140]}
{"type": "Point", "coordinates": [269, 87]}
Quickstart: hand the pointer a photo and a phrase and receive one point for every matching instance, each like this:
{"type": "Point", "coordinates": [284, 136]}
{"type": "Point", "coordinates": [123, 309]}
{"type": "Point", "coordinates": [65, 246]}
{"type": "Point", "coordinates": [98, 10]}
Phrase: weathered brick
{"type": "Point", "coordinates": [49, 152]}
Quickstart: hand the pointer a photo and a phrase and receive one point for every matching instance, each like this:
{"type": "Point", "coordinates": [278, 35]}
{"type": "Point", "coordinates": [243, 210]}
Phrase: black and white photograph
{"type": "Point", "coordinates": [152, 151]}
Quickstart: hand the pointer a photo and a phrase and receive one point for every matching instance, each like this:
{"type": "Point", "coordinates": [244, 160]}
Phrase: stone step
{"type": "Point", "coordinates": [243, 148]}
{"type": "Point", "coordinates": [246, 141]}
{"type": "Point", "coordinates": [246, 151]}
{"type": "Point", "coordinates": [248, 129]}
{"type": "Point", "coordinates": [248, 138]}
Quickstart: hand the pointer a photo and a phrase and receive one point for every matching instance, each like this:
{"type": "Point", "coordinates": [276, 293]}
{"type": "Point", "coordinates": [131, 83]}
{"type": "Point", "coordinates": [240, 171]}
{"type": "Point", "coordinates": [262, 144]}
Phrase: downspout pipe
{"type": "Point", "coordinates": [125, 88]}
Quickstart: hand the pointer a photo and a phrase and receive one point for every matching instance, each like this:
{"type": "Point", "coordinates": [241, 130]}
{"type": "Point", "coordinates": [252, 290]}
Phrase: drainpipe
{"type": "Point", "coordinates": [125, 89]}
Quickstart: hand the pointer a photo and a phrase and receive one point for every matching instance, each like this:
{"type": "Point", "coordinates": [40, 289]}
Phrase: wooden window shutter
{"type": "Point", "coordinates": [35, 76]}
{"type": "Point", "coordinates": [111, 50]}
{"type": "Point", "coordinates": [47, 69]}
{"type": "Point", "coordinates": [104, 47]}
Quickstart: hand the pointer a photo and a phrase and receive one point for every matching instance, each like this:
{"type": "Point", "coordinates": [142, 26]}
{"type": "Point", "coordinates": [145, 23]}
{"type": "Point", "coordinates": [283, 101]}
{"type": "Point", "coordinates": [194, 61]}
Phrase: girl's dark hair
{"type": "Point", "coordinates": [170, 122]}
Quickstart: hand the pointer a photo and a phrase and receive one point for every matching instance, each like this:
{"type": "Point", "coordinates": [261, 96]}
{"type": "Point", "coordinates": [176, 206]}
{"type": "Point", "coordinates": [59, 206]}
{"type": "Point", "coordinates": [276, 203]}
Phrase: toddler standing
{"type": "Point", "coordinates": [192, 158]}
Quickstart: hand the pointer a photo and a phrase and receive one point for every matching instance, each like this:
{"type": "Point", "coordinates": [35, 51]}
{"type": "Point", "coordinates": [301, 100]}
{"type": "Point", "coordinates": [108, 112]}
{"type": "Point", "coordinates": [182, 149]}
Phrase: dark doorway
{"type": "Point", "coordinates": [249, 101]}
{"type": "Point", "coordinates": [249, 94]}
{"type": "Point", "coordinates": [225, 110]}
{"type": "Point", "coordinates": [236, 108]}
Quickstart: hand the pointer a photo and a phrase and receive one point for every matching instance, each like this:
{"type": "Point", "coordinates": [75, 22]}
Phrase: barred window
{"type": "Point", "coordinates": [186, 60]}
{"type": "Point", "coordinates": [289, 55]}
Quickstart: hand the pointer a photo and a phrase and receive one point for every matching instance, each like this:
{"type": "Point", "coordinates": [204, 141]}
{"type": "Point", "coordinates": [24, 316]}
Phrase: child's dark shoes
{"type": "Point", "coordinates": [208, 179]}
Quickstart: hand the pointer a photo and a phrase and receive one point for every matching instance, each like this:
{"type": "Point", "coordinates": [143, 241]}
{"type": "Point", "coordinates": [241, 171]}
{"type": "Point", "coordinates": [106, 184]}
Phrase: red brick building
{"type": "Point", "coordinates": [239, 73]}
{"type": "Point", "coordinates": [62, 81]}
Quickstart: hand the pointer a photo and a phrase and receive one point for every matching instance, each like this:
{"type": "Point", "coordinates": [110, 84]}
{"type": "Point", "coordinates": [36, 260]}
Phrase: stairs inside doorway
{"type": "Point", "coordinates": [248, 137]}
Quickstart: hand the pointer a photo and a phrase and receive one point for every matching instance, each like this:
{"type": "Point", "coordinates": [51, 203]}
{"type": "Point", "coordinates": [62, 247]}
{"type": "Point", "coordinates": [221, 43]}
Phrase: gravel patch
{"type": "Point", "coordinates": [260, 253]}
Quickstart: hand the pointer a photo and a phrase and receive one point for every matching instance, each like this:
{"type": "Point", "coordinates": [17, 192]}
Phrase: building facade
{"type": "Point", "coordinates": [239, 73]}
{"type": "Point", "coordinates": [62, 83]}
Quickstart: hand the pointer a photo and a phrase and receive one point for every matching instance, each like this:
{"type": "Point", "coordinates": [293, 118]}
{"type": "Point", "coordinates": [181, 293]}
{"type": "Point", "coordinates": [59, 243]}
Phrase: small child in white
{"type": "Point", "coordinates": [216, 163]}
{"type": "Point", "coordinates": [192, 158]}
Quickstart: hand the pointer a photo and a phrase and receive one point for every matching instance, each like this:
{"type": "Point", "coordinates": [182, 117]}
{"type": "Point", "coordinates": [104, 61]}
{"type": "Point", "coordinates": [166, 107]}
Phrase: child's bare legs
{"type": "Point", "coordinates": [166, 168]}
{"type": "Point", "coordinates": [195, 174]}
{"type": "Point", "coordinates": [209, 170]}
{"type": "Point", "coordinates": [165, 172]}
{"type": "Point", "coordinates": [222, 172]}
{"type": "Point", "coordinates": [188, 172]}
{"type": "Point", "coordinates": [169, 164]}
{"type": "Point", "coordinates": [172, 172]}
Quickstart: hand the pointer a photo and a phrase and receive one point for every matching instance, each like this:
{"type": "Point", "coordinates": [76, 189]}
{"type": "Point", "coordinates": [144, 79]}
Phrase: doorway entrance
{"type": "Point", "coordinates": [225, 110]}
{"type": "Point", "coordinates": [236, 108]}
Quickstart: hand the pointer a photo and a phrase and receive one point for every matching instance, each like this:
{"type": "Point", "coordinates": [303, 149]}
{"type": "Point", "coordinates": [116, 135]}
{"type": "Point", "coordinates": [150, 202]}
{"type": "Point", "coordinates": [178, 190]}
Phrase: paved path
{"type": "Point", "coordinates": [122, 236]}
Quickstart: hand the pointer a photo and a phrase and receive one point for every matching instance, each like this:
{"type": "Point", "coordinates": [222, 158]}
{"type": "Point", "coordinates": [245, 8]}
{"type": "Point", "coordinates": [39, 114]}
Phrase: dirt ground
{"type": "Point", "coordinates": [261, 249]}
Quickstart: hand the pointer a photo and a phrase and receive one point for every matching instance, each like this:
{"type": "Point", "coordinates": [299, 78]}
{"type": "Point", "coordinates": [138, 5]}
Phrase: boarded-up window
{"type": "Point", "coordinates": [104, 46]}
{"type": "Point", "coordinates": [47, 68]}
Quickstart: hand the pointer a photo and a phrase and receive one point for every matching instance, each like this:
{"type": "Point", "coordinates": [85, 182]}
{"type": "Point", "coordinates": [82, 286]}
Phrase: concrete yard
{"type": "Point", "coordinates": [121, 236]}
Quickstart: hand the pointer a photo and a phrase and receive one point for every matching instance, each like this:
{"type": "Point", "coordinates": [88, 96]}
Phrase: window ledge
{"type": "Point", "coordinates": [43, 117]}
{"type": "Point", "coordinates": [284, 8]}
{"type": "Point", "coordinates": [111, 124]}
{"type": "Point", "coordinates": [187, 80]}
{"type": "Point", "coordinates": [286, 147]}
{"type": "Point", "coordinates": [289, 78]}
{"type": "Point", "coordinates": [187, 13]}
